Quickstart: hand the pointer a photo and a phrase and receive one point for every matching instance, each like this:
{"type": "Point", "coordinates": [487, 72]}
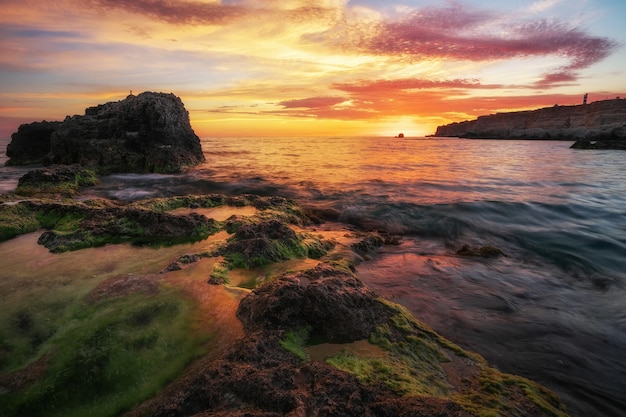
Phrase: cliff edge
{"type": "Point", "coordinates": [149, 132]}
{"type": "Point", "coordinates": [597, 121]}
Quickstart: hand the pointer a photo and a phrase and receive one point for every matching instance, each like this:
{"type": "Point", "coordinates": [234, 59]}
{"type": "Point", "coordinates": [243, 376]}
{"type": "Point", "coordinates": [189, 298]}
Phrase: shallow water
{"type": "Point", "coordinates": [551, 310]}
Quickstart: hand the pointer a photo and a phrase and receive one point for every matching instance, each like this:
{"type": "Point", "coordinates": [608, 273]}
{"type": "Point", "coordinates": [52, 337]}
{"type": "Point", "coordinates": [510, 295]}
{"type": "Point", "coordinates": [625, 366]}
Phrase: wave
{"type": "Point", "coordinates": [585, 243]}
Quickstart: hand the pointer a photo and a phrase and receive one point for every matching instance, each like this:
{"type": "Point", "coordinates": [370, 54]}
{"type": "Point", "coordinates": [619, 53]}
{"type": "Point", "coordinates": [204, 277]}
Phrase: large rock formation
{"type": "Point", "coordinates": [601, 120]}
{"type": "Point", "coordinates": [403, 369]}
{"type": "Point", "coordinates": [149, 132]}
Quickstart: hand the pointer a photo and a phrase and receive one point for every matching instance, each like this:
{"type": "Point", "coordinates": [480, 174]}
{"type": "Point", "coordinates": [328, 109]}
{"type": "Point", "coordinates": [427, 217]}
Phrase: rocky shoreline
{"type": "Point", "coordinates": [603, 122]}
{"type": "Point", "coordinates": [406, 368]}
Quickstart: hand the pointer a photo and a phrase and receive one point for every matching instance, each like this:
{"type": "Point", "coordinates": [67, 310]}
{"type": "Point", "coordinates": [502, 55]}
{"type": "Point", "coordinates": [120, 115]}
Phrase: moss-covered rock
{"type": "Point", "coordinates": [76, 225]}
{"type": "Point", "coordinates": [16, 219]}
{"type": "Point", "coordinates": [63, 180]}
{"type": "Point", "coordinates": [268, 241]}
{"type": "Point", "coordinates": [412, 370]}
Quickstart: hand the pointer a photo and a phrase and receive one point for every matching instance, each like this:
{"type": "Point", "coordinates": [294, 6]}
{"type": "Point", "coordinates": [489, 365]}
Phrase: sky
{"type": "Point", "coordinates": [317, 67]}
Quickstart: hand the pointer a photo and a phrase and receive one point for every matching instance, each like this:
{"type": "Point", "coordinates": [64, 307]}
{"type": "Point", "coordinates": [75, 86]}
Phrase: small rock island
{"type": "Point", "coordinates": [601, 124]}
{"type": "Point", "coordinates": [149, 132]}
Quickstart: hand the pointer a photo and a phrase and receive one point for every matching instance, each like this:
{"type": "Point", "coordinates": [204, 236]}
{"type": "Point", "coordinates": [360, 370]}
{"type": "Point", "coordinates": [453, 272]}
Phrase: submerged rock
{"type": "Point", "coordinates": [481, 251]}
{"type": "Point", "coordinates": [610, 143]}
{"type": "Point", "coordinates": [56, 179]}
{"type": "Point", "coordinates": [149, 132]}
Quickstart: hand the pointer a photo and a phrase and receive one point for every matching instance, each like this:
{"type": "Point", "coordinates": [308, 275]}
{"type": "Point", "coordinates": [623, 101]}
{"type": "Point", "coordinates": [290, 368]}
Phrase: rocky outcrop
{"type": "Point", "coordinates": [600, 120]}
{"type": "Point", "coordinates": [338, 307]}
{"type": "Point", "coordinates": [31, 143]}
{"type": "Point", "coordinates": [55, 179]}
{"type": "Point", "coordinates": [314, 342]}
{"type": "Point", "coordinates": [77, 225]}
{"type": "Point", "coordinates": [149, 132]}
{"type": "Point", "coordinates": [410, 371]}
{"type": "Point", "coordinates": [600, 144]}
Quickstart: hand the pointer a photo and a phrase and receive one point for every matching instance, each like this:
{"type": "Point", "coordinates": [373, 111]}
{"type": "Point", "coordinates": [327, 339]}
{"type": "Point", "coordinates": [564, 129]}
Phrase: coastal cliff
{"type": "Point", "coordinates": [597, 121]}
{"type": "Point", "coordinates": [149, 132]}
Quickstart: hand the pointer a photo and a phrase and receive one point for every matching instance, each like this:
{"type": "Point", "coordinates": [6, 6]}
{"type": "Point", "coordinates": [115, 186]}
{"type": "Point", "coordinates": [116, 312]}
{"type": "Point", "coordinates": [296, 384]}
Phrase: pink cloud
{"type": "Point", "coordinates": [185, 12]}
{"type": "Point", "coordinates": [460, 33]}
{"type": "Point", "coordinates": [560, 78]}
{"type": "Point", "coordinates": [389, 86]}
{"type": "Point", "coordinates": [197, 12]}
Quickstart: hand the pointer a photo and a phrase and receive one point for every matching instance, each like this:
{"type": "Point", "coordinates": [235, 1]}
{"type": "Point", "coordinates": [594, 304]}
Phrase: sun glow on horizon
{"type": "Point", "coordinates": [308, 68]}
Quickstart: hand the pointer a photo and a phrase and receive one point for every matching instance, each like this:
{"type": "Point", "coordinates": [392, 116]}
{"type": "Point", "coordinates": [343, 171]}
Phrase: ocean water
{"type": "Point", "coordinates": [553, 309]}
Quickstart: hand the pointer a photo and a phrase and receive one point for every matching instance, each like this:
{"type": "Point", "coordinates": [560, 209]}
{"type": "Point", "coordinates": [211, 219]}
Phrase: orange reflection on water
{"type": "Point", "coordinates": [417, 170]}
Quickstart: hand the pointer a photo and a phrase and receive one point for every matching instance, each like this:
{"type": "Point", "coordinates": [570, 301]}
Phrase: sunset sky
{"type": "Point", "coordinates": [317, 67]}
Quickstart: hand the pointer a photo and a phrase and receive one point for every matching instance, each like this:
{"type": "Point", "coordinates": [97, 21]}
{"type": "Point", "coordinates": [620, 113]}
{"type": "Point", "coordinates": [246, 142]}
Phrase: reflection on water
{"type": "Point", "coordinates": [219, 214]}
{"type": "Point", "coordinates": [526, 319]}
{"type": "Point", "coordinates": [26, 264]}
{"type": "Point", "coordinates": [31, 276]}
{"type": "Point", "coordinates": [360, 348]}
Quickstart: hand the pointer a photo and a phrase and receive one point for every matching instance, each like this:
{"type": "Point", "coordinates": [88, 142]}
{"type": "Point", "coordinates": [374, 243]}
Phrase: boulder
{"type": "Point", "coordinates": [338, 307]}
{"type": "Point", "coordinates": [149, 132]}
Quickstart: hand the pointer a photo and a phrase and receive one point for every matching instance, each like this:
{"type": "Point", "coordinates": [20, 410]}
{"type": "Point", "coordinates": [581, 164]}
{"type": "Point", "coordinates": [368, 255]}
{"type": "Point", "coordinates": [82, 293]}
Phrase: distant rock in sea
{"type": "Point", "coordinates": [149, 132]}
{"type": "Point", "coordinates": [598, 121]}
{"type": "Point", "coordinates": [600, 144]}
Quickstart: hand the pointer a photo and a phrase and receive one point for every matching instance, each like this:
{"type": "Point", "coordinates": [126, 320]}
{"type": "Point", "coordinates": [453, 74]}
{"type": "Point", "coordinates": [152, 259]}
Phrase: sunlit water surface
{"type": "Point", "coordinates": [551, 310]}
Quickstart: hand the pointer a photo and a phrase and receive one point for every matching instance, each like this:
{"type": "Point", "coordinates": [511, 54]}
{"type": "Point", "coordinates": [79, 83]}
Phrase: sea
{"type": "Point", "coordinates": [552, 309]}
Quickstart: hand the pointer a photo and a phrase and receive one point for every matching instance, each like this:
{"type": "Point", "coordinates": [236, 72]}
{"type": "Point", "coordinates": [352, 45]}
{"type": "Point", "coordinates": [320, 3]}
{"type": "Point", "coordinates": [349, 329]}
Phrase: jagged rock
{"type": "Point", "coordinates": [77, 226]}
{"type": "Point", "coordinates": [338, 306]}
{"type": "Point", "coordinates": [31, 143]}
{"type": "Point", "coordinates": [260, 376]}
{"type": "Point", "coordinates": [368, 244]}
{"type": "Point", "coordinates": [149, 132]}
{"type": "Point", "coordinates": [599, 120]}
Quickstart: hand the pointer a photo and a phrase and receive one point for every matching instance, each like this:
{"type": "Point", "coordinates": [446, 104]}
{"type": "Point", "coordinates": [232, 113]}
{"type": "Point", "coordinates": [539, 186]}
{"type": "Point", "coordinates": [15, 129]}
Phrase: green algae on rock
{"type": "Point", "coordinates": [63, 180]}
{"type": "Point", "coordinates": [77, 225]}
{"type": "Point", "coordinates": [409, 369]}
